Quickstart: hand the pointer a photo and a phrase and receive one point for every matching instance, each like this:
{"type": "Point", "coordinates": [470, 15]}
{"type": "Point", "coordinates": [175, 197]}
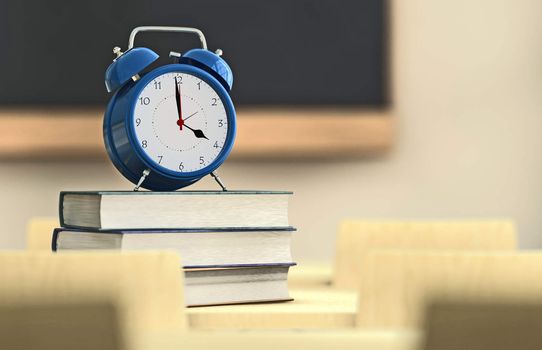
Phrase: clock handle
{"type": "Point", "coordinates": [136, 30]}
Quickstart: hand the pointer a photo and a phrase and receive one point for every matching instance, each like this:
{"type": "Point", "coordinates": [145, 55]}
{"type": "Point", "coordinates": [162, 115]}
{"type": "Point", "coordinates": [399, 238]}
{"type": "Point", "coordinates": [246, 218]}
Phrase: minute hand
{"type": "Point", "coordinates": [180, 121]}
{"type": "Point", "coordinates": [197, 132]}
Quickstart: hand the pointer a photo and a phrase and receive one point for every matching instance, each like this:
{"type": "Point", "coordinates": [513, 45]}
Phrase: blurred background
{"type": "Point", "coordinates": [462, 81]}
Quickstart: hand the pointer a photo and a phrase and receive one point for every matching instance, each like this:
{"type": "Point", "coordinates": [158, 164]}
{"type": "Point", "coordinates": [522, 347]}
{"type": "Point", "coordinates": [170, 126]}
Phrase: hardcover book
{"type": "Point", "coordinates": [197, 247]}
{"type": "Point", "coordinates": [110, 210]}
{"type": "Point", "coordinates": [236, 285]}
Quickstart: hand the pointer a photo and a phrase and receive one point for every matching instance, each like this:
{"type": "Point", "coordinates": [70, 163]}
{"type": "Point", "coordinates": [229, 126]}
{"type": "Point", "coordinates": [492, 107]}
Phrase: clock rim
{"type": "Point", "coordinates": [230, 115]}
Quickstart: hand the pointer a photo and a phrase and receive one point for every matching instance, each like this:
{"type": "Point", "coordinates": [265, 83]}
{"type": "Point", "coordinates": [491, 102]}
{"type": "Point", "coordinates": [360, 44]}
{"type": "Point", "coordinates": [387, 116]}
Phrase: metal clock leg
{"type": "Point", "coordinates": [217, 179]}
{"type": "Point", "coordinates": [146, 173]}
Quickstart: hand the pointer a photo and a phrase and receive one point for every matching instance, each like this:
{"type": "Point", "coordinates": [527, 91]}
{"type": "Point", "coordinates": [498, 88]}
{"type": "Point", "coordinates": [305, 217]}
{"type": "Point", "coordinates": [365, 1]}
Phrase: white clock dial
{"type": "Point", "coordinates": [180, 122]}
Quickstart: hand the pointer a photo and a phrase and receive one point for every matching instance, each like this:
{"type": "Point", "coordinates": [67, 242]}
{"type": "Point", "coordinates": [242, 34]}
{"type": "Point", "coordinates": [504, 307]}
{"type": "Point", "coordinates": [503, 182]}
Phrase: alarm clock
{"type": "Point", "coordinates": [166, 128]}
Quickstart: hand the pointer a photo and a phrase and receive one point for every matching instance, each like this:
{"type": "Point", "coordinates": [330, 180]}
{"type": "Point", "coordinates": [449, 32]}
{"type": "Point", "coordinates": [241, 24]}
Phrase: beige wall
{"type": "Point", "coordinates": [467, 91]}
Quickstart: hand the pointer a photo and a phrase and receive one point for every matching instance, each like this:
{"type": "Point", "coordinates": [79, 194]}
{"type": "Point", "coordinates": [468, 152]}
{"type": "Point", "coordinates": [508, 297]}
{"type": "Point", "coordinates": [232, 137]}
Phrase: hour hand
{"type": "Point", "coordinates": [197, 132]}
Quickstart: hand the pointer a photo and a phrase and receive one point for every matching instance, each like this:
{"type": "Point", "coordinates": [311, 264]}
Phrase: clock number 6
{"type": "Point", "coordinates": [181, 166]}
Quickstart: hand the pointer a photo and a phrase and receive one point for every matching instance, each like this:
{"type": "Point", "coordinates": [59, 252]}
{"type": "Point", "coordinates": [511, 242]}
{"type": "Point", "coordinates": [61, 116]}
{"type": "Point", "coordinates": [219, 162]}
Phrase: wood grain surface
{"type": "Point", "coordinates": [312, 308]}
{"type": "Point", "coordinates": [39, 233]}
{"type": "Point", "coordinates": [310, 275]}
{"type": "Point", "coordinates": [57, 325]}
{"type": "Point", "coordinates": [357, 238]}
{"type": "Point", "coordinates": [452, 325]}
{"type": "Point", "coordinates": [398, 285]}
{"type": "Point", "coordinates": [68, 133]}
{"type": "Point", "coordinates": [286, 340]}
{"type": "Point", "coordinates": [145, 287]}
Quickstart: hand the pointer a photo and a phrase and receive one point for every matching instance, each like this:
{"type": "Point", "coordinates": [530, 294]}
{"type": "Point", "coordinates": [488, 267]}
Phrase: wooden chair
{"type": "Point", "coordinates": [357, 238]}
{"type": "Point", "coordinates": [397, 284]}
{"type": "Point", "coordinates": [452, 325]}
{"type": "Point", "coordinates": [145, 287]}
{"type": "Point", "coordinates": [57, 325]}
{"type": "Point", "coordinates": [39, 232]}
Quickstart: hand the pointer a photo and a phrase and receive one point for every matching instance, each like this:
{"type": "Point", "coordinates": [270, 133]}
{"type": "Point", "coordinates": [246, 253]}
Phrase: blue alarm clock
{"type": "Point", "coordinates": [169, 127]}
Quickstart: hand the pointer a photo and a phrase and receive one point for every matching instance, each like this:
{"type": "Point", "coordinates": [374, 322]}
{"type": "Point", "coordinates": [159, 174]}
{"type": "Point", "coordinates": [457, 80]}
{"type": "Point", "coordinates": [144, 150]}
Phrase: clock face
{"type": "Point", "coordinates": [180, 122]}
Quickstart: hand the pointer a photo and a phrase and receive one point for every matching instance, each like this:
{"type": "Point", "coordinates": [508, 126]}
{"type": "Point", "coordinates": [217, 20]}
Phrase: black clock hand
{"type": "Point", "coordinates": [191, 115]}
{"type": "Point", "coordinates": [197, 132]}
{"type": "Point", "coordinates": [180, 121]}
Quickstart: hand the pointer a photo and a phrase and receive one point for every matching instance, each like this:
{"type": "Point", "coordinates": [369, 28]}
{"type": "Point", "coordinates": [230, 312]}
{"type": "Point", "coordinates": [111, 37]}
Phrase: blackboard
{"type": "Point", "coordinates": [282, 52]}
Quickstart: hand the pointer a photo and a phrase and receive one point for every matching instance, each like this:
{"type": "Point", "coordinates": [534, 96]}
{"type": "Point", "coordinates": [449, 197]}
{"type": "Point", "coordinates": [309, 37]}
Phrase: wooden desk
{"type": "Point", "coordinates": [312, 308]}
{"type": "Point", "coordinates": [310, 275]}
{"type": "Point", "coordinates": [345, 339]}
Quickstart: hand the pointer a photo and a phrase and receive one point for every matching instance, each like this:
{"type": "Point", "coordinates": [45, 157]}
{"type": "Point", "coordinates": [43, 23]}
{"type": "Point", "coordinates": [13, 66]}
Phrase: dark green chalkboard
{"type": "Point", "coordinates": [283, 52]}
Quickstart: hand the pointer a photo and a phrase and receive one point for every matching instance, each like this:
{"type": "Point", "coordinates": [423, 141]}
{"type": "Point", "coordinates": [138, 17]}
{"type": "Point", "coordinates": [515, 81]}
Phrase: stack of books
{"type": "Point", "coordinates": [234, 245]}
